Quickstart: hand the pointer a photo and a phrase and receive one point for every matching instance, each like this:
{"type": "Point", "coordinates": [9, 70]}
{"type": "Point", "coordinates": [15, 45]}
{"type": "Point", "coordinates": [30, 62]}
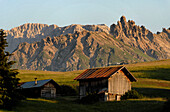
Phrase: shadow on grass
{"type": "Point", "coordinates": [63, 105]}
{"type": "Point", "coordinates": [132, 106]}
{"type": "Point", "coordinates": [44, 105]}
{"type": "Point", "coordinates": [154, 73]}
{"type": "Point", "coordinates": [154, 92]}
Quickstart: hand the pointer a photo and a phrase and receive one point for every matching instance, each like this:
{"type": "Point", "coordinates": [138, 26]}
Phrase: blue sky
{"type": "Point", "coordinates": [153, 14]}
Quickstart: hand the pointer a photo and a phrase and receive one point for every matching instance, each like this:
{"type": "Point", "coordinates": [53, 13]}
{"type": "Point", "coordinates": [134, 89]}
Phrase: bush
{"type": "Point", "coordinates": [166, 107]}
{"type": "Point", "coordinates": [90, 99]}
{"type": "Point", "coordinates": [133, 94]}
{"type": "Point", "coordinates": [68, 91]}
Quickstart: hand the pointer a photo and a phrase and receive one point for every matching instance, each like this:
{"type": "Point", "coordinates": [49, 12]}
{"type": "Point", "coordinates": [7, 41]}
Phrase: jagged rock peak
{"type": "Point", "coordinates": [141, 38]}
{"type": "Point", "coordinates": [29, 26]}
{"type": "Point", "coordinates": [123, 19]}
{"type": "Point", "coordinates": [128, 28]}
{"type": "Point", "coordinates": [102, 24]}
{"type": "Point", "coordinates": [164, 30]}
{"type": "Point", "coordinates": [167, 31]}
{"type": "Point", "coordinates": [131, 22]}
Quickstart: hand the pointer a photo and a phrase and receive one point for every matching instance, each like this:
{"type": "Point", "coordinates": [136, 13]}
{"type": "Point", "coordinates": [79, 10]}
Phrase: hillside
{"type": "Point", "coordinates": [149, 74]}
{"type": "Point", "coordinates": [155, 89]}
{"type": "Point", "coordinates": [153, 77]}
{"type": "Point", "coordinates": [76, 51]}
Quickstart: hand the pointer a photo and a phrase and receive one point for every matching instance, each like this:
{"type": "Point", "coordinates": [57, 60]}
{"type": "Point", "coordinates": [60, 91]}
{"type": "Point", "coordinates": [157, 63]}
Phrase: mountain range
{"type": "Point", "coordinates": [75, 47]}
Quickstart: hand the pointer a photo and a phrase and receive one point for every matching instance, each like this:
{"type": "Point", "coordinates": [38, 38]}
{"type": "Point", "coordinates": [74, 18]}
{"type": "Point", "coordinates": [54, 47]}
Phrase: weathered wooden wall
{"type": "Point", "coordinates": [48, 91]}
{"type": "Point", "coordinates": [118, 84]}
{"type": "Point", "coordinates": [91, 86]}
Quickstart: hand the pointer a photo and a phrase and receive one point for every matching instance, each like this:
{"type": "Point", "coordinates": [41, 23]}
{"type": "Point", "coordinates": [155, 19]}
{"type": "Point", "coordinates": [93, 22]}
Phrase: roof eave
{"type": "Point", "coordinates": [135, 80]}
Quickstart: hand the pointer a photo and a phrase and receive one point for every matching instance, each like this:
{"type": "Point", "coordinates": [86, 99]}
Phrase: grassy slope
{"type": "Point", "coordinates": [59, 77]}
{"type": "Point", "coordinates": [149, 74]}
{"type": "Point", "coordinates": [153, 81]}
{"type": "Point", "coordinates": [153, 78]}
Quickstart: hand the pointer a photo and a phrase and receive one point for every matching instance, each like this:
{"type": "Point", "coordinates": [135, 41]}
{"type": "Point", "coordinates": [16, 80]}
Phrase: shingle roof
{"type": "Point", "coordinates": [97, 73]}
{"type": "Point", "coordinates": [31, 84]}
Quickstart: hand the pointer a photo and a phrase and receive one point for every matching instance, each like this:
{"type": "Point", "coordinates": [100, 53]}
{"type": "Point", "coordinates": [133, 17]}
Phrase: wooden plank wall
{"type": "Point", "coordinates": [48, 91]}
{"type": "Point", "coordinates": [91, 86]}
{"type": "Point", "coordinates": [119, 84]}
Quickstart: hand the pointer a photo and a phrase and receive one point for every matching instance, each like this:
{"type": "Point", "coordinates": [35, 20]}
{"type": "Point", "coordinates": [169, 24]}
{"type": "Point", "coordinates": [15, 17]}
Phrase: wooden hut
{"type": "Point", "coordinates": [41, 88]}
{"type": "Point", "coordinates": [110, 82]}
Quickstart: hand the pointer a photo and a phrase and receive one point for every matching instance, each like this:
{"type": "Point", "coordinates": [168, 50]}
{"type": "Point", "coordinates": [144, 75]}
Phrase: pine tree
{"type": "Point", "coordinates": [8, 79]}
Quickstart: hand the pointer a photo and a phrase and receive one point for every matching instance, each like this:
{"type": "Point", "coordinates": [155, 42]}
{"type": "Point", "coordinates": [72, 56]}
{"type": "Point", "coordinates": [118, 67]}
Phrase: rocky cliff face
{"type": "Point", "coordinates": [76, 51]}
{"type": "Point", "coordinates": [76, 47]}
{"type": "Point", "coordinates": [154, 45]}
{"type": "Point", "coordinates": [33, 32]}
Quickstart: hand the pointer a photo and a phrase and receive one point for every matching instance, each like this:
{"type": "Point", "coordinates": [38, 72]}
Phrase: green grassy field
{"type": "Point", "coordinates": [60, 77]}
{"type": "Point", "coordinates": [153, 82]}
{"type": "Point", "coordinates": [66, 104]}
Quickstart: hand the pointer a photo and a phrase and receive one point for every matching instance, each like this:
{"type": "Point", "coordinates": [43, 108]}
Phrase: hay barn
{"type": "Point", "coordinates": [42, 88]}
{"type": "Point", "coordinates": [110, 82]}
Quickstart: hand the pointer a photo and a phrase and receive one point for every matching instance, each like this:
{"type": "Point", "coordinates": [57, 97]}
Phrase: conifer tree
{"type": "Point", "coordinates": [8, 79]}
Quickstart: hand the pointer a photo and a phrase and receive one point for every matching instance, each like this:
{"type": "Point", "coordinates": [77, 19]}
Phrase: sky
{"type": "Point", "coordinates": [153, 14]}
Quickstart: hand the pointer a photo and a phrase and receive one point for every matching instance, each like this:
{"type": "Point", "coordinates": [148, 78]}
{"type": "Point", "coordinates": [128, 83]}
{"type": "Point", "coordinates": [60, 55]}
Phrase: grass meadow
{"type": "Point", "coordinates": [153, 82]}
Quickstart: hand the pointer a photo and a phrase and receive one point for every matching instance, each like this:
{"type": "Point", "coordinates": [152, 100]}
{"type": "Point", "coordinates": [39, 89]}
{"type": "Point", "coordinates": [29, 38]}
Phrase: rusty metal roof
{"type": "Point", "coordinates": [106, 72]}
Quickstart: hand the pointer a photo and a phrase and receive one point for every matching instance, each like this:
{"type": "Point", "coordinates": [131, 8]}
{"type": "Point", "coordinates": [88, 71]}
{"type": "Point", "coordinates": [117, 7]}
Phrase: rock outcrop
{"type": "Point", "coordinates": [154, 45]}
{"type": "Point", "coordinates": [33, 32]}
{"type": "Point", "coordinates": [76, 51]}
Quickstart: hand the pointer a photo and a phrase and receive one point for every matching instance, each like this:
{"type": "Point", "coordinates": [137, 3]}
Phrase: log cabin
{"type": "Point", "coordinates": [40, 88]}
{"type": "Point", "coordinates": [110, 82]}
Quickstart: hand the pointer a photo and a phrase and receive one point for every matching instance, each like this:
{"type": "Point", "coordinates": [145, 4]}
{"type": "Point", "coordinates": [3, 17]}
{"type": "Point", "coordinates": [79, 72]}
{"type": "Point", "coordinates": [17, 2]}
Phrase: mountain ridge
{"type": "Point", "coordinates": [33, 32]}
{"type": "Point", "coordinates": [76, 51]}
{"type": "Point", "coordinates": [76, 47]}
{"type": "Point", "coordinates": [142, 38]}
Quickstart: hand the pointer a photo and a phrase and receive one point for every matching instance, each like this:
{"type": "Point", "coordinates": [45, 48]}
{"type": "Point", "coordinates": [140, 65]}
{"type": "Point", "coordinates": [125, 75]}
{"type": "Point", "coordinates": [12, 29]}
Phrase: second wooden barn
{"type": "Point", "coordinates": [110, 82]}
{"type": "Point", "coordinates": [40, 88]}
